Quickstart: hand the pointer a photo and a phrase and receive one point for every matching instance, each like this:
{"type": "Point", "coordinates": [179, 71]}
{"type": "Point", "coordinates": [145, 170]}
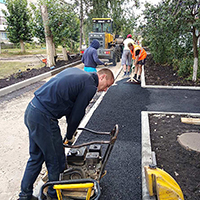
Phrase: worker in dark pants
{"type": "Point", "coordinates": [67, 94]}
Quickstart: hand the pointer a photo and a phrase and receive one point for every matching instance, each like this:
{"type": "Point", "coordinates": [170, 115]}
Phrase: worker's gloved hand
{"type": "Point", "coordinates": [105, 64]}
{"type": "Point", "coordinates": [71, 141]}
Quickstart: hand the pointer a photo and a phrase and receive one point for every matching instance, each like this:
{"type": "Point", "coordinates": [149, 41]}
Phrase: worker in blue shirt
{"type": "Point", "coordinates": [67, 94]}
{"type": "Point", "coordinates": [90, 57]}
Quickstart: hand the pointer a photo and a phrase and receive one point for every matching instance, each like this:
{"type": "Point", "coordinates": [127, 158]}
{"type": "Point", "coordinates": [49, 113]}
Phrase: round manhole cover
{"type": "Point", "coordinates": [190, 141]}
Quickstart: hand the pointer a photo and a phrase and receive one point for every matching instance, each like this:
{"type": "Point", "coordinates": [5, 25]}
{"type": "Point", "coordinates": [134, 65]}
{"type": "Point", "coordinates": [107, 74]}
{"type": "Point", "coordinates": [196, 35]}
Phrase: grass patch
{"type": "Point", "coordinates": [17, 52]}
{"type": "Point", "coordinates": [9, 68]}
{"type": "Point", "coordinates": [30, 51]}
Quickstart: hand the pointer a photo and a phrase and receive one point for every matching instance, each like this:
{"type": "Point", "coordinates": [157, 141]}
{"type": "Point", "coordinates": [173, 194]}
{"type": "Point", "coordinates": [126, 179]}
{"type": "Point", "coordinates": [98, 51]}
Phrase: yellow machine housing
{"type": "Point", "coordinates": [103, 25]}
{"type": "Point", "coordinates": [110, 46]}
{"type": "Point", "coordinates": [162, 185]}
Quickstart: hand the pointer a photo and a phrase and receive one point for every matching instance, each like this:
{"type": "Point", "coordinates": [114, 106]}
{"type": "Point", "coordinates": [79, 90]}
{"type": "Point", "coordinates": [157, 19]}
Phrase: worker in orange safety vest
{"type": "Point", "coordinates": [139, 56]}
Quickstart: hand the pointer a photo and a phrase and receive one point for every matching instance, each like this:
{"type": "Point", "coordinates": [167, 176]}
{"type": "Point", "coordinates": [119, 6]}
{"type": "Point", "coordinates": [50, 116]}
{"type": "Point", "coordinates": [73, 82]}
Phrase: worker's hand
{"type": "Point", "coordinates": [71, 141]}
{"type": "Point", "coordinates": [105, 64]}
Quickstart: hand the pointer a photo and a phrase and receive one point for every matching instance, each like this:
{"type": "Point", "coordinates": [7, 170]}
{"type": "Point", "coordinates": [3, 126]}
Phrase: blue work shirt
{"type": "Point", "coordinates": [67, 94]}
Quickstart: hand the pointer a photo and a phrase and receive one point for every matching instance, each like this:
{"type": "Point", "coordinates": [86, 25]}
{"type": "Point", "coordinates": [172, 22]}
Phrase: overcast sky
{"type": "Point", "coordinates": [142, 2]}
{"type": "Point", "coordinates": [137, 11]}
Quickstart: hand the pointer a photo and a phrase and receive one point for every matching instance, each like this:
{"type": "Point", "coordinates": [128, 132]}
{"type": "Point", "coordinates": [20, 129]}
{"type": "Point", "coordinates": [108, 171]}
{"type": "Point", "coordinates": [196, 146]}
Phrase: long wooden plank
{"type": "Point", "coordinates": [195, 121]}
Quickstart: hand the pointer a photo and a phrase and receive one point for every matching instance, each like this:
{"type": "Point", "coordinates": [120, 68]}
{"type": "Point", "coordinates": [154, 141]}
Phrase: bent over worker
{"type": "Point", "coordinates": [67, 94]}
{"type": "Point", "coordinates": [139, 56]}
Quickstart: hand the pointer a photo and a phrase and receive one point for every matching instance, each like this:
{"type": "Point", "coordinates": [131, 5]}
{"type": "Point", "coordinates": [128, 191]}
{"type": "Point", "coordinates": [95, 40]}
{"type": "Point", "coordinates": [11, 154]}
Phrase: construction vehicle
{"type": "Point", "coordinates": [85, 168]}
{"type": "Point", "coordinates": [111, 45]}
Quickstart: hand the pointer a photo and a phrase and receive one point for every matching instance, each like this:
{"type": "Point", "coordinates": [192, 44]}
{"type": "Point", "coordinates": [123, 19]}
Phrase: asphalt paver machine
{"type": "Point", "coordinates": [85, 168]}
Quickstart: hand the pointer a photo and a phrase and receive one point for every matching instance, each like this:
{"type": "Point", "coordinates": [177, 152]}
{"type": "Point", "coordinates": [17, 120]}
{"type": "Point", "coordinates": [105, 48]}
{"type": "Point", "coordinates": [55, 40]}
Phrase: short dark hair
{"type": "Point", "coordinates": [130, 44]}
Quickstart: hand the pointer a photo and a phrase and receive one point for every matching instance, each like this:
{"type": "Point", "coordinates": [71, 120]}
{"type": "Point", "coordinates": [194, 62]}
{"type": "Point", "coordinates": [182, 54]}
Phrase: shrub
{"type": "Point", "coordinates": [185, 67]}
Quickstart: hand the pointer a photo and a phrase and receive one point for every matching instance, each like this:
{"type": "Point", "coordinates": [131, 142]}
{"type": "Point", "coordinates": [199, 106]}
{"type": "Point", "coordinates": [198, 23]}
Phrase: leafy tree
{"type": "Point", "coordinates": [187, 13]}
{"type": "Point", "coordinates": [63, 23]}
{"type": "Point", "coordinates": [18, 22]}
{"type": "Point", "coordinates": [171, 30]}
{"type": "Point", "coordinates": [37, 26]}
{"type": "Point", "coordinates": [107, 8]}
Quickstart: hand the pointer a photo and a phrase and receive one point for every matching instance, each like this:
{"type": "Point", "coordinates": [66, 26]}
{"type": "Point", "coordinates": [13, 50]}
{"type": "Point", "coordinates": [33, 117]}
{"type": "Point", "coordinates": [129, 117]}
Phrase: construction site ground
{"type": "Point", "coordinates": [122, 105]}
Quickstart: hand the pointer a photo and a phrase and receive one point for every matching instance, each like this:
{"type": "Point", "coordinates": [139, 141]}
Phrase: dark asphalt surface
{"type": "Point", "coordinates": [122, 105]}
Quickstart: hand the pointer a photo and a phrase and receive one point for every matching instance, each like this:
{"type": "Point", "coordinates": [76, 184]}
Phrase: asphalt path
{"type": "Point", "coordinates": [122, 105]}
{"type": "Point", "coordinates": [173, 100]}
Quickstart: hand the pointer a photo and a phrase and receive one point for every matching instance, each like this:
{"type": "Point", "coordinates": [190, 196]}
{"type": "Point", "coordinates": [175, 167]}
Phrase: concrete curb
{"type": "Point", "coordinates": [32, 80]}
{"type": "Point", "coordinates": [146, 153]}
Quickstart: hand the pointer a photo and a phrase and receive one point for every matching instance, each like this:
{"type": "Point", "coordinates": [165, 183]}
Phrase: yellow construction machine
{"type": "Point", "coordinates": [111, 45]}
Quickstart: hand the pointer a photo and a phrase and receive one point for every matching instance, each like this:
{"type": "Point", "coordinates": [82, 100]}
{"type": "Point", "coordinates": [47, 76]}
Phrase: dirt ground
{"type": "Point", "coordinates": [183, 165]}
{"type": "Point", "coordinates": [156, 74]}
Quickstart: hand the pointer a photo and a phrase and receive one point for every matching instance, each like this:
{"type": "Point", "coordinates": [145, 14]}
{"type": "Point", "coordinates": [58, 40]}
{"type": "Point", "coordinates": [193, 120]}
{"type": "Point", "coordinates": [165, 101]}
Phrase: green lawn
{"type": "Point", "coordinates": [9, 68]}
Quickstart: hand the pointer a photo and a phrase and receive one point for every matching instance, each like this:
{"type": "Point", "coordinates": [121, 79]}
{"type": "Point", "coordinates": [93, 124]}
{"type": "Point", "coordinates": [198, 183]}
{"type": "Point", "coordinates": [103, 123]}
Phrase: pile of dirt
{"type": "Point", "coordinates": [183, 165]}
{"type": "Point", "coordinates": [20, 76]}
{"type": "Point", "coordinates": [156, 74]}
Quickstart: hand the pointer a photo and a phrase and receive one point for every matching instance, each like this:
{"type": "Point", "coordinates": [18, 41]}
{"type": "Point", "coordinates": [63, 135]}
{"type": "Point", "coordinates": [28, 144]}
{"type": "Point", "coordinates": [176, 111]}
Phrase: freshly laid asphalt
{"type": "Point", "coordinates": [122, 105]}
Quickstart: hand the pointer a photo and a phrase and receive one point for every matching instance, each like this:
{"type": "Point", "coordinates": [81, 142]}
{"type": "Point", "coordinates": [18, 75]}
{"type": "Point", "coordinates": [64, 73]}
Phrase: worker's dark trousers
{"type": "Point", "coordinates": [45, 145]}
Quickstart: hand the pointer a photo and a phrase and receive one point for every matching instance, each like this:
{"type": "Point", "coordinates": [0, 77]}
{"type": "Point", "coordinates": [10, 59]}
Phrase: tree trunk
{"type": "Point", "coordinates": [22, 46]}
{"type": "Point", "coordinates": [195, 49]}
{"type": "Point", "coordinates": [64, 51]}
{"type": "Point", "coordinates": [54, 49]}
{"type": "Point", "coordinates": [48, 37]}
{"type": "Point", "coordinates": [81, 23]}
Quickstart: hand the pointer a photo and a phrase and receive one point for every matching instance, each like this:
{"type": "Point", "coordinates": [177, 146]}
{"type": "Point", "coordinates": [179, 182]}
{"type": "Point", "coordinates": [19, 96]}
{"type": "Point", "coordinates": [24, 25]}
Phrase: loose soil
{"type": "Point", "coordinates": [156, 74]}
{"type": "Point", "coordinates": [183, 165]}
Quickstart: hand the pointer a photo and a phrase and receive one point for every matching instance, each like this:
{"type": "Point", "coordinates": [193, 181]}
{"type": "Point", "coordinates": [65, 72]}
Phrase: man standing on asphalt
{"type": "Point", "coordinates": [139, 56]}
{"type": "Point", "coordinates": [67, 94]}
{"type": "Point", "coordinates": [90, 57]}
{"type": "Point", "coordinates": [126, 56]}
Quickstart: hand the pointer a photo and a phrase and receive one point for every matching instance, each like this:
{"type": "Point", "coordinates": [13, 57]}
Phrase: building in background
{"type": "Point", "coordinates": [3, 34]}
